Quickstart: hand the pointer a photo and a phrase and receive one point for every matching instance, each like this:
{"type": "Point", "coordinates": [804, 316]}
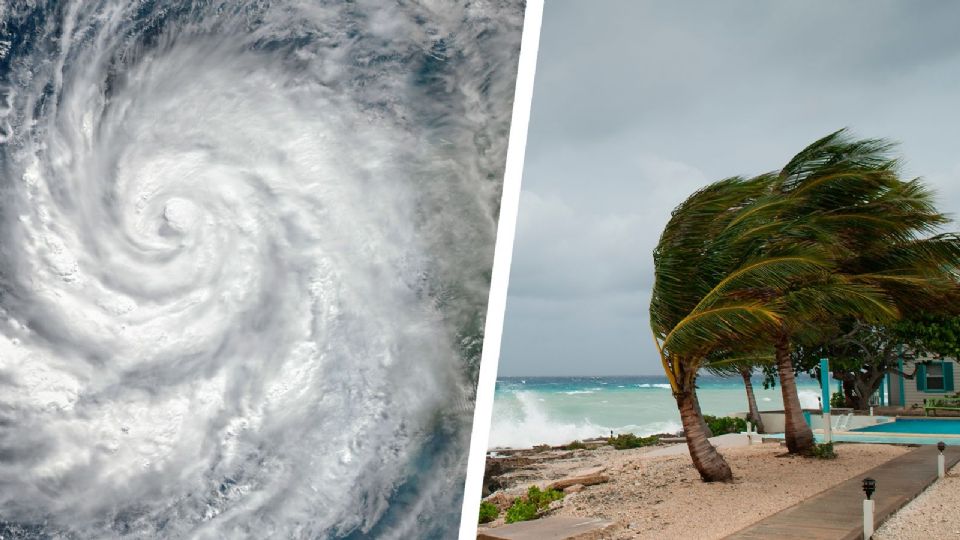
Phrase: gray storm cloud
{"type": "Point", "coordinates": [638, 103]}
{"type": "Point", "coordinates": [244, 263]}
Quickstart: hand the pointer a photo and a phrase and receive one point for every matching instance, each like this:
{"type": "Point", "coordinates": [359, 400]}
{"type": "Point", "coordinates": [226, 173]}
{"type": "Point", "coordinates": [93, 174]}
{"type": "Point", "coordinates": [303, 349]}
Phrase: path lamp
{"type": "Point", "coordinates": [869, 486]}
{"type": "Point", "coordinates": [941, 466]}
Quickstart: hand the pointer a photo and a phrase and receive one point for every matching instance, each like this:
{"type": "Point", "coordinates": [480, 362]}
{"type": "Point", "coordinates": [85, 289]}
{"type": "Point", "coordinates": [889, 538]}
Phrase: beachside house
{"type": "Point", "coordinates": [932, 378]}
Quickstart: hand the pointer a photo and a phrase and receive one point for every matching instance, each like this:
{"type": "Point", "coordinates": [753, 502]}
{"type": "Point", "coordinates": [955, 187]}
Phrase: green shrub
{"type": "Point", "coordinates": [824, 451]}
{"type": "Point", "coordinates": [626, 441]}
{"type": "Point", "coordinates": [488, 512]}
{"type": "Point", "coordinates": [721, 425]}
{"type": "Point", "coordinates": [543, 498]}
{"type": "Point", "coordinates": [837, 399]}
{"type": "Point", "coordinates": [575, 445]}
{"type": "Point", "coordinates": [527, 508]}
{"type": "Point", "coordinates": [521, 510]}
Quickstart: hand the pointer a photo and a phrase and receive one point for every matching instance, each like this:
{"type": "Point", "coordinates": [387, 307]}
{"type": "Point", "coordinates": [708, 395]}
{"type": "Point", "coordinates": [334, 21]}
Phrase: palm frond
{"type": "Point", "coordinates": [836, 234]}
{"type": "Point", "coordinates": [697, 333]}
{"type": "Point", "coordinates": [763, 276]}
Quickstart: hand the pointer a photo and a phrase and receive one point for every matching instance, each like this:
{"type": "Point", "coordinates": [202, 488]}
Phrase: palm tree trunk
{"type": "Point", "coordinates": [703, 421]}
{"type": "Point", "coordinates": [754, 414]}
{"type": "Point", "coordinates": [798, 434]}
{"type": "Point", "coordinates": [706, 459]}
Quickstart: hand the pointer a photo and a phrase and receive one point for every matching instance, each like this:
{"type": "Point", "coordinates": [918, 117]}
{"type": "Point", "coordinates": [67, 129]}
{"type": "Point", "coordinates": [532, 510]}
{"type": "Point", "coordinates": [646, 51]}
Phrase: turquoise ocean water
{"type": "Point", "coordinates": [556, 410]}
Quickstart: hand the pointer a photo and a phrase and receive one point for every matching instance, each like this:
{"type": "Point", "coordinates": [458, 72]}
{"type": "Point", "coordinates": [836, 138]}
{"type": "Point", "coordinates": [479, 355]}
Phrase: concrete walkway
{"type": "Point", "coordinates": [837, 513]}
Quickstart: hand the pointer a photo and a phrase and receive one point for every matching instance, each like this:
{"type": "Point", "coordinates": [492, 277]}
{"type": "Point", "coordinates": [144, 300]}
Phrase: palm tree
{"type": "Point", "coordinates": [722, 286]}
{"type": "Point", "coordinates": [742, 365]}
{"type": "Point", "coordinates": [808, 312]}
{"type": "Point", "coordinates": [878, 231]}
{"type": "Point", "coordinates": [779, 257]}
{"type": "Point", "coordinates": [753, 414]}
{"type": "Point", "coordinates": [705, 296]}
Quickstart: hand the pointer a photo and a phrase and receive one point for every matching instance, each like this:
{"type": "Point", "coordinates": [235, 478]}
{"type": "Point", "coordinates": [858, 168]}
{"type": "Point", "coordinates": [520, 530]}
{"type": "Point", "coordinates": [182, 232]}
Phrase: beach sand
{"type": "Point", "coordinates": [933, 514]}
{"type": "Point", "coordinates": [663, 497]}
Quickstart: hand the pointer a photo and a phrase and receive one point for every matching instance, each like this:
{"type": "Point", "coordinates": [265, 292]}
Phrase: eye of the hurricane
{"type": "Point", "coordinates": [179, 217]}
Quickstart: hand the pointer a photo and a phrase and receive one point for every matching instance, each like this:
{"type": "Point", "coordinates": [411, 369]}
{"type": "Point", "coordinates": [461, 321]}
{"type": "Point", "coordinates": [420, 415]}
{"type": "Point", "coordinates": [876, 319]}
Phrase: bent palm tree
{"type": "Point", "coordinates": [846, 195]}
{"type": "Point", "coordinates": [715, 291]}
{"type": "Point", "coordinates": [743, 365]}
{"type": "Point", "coordinates": [778, 257]}
{"type": "Point", "coordinates": [753, 412]}
{"type": "Point", "coordinates": [704, 297]}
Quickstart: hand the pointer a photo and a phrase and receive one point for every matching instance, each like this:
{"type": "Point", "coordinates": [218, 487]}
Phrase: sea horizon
{"type": "Point", "coordinates": [543, 409]}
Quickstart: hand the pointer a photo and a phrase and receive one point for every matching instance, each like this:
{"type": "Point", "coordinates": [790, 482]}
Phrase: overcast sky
{"type": "Point", "coordinates": [638, 103]}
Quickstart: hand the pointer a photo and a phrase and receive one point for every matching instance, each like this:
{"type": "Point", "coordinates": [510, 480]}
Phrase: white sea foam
{"type": "Point", "coordinates": [532, 424]}
{"type": "Point", "coordinates": [809, 399]}
{"type": "Point", "coordinates": [651, 428]}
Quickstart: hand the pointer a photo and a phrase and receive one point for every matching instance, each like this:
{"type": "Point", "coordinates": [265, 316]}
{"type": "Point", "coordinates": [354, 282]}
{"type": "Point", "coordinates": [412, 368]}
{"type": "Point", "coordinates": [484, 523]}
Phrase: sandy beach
{"type": "Point", "coordinates": [651, 496]}
{"type": "Point", "coordinates": [933, 514]}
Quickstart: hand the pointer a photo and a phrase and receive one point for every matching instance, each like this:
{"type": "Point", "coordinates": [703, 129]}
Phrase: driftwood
{"type": "Point", "coordinates": [584, 478]}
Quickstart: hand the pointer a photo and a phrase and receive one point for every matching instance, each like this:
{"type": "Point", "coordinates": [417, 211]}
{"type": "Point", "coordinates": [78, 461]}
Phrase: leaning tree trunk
{"type": "Point", "coordinates": [709, 463]}
{"type": "Point", "coordinates": [703, 421]}
{"type": "Point", "coordinates": [754, 414]}
{"type": "Point", "coordinates": [798, 434]}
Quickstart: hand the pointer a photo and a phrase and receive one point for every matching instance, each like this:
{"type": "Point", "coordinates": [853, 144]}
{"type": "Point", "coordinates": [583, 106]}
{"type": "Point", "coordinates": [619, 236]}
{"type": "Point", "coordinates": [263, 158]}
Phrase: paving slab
{"type": "Point", "coordinates": [551, 528]}
{"type": "Point", "coordinates": [837, 513]}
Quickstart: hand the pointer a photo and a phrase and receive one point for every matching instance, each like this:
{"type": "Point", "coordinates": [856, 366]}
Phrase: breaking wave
{"type": "Point", "coordinates": [809, 399]}
{"type": "Point", "coordinates": [245, 250]}
{"type": "Point", "coordinates": [523, 421]}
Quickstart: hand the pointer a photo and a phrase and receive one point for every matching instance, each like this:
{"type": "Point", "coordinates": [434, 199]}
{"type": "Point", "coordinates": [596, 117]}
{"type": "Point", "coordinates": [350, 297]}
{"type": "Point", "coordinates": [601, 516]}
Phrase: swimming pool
{"type": "Point", "coordinates": [939, 426]}
{"type": "Point", "coordinates": [900, 431]}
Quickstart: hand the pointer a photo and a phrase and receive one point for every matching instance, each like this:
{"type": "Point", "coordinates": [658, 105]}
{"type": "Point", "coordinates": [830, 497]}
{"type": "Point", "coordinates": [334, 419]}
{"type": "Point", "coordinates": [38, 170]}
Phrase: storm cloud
{"type": "Point", "coordinates": [244, 259]}
{"type": "Point", "coordinates": [637, 104]}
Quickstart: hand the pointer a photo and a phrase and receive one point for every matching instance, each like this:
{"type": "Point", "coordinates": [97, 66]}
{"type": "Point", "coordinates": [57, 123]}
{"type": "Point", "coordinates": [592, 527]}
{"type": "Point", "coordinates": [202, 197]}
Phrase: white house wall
{"type": "Point", "coordinates": [914, 396]}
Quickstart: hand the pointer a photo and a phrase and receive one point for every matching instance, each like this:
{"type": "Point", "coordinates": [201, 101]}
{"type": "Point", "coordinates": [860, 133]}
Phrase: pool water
{"type": "Point", "coordinates": [911, 425]}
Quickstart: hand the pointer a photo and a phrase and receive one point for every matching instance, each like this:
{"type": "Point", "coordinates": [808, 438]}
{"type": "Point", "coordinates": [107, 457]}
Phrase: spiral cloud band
{"type": "Point", "coordinates": [244, 259]}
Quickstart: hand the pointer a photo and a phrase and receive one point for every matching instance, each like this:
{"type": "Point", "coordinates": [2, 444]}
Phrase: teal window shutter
{"type": "Point", "coordinates": [922, 377]}
{"type": "Point", "coordinates": [948, 377]}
